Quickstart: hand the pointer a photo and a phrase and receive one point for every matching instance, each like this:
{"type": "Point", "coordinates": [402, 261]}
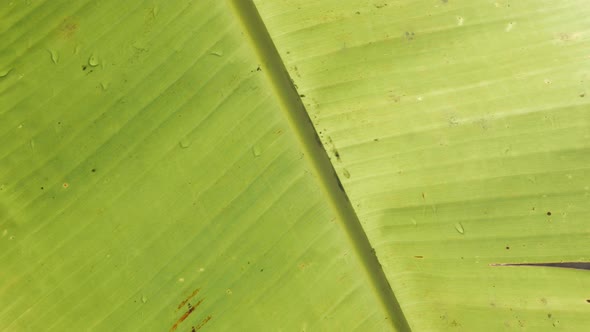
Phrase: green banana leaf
{"type": "Point", "coordinates": [298, 165]}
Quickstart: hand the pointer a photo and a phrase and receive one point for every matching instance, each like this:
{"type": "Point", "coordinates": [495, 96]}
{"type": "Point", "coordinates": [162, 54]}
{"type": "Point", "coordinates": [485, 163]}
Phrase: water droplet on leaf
{"type": "Point", "coordinates": [184, 143]}
{"type": "Point", "coordinates": [5, 72]}
{"type": "Point", "coordinates": [54, 56]}
{"type": "Point", "coordinates": [143, 299]}
{"type": "Point", "coordinates": [256, 151]}
{"type": "Point", "coordinates": [93, 61]}
{"type": "Point", "coordinates": [459, 228]}
{"type": "Point", "coordinates": [346, 173]}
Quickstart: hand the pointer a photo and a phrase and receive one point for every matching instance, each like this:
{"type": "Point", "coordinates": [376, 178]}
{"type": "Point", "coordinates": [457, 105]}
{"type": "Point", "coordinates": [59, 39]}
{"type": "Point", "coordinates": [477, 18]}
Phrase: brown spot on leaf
{"type": "Point", "coordinates": [198, 327]}
{"type": "Point", "coordinates": [182, 319]}
{"type": "Point", "coordinates": [185, 301]}
{"type": "Point", "coordinates": [68, 28]}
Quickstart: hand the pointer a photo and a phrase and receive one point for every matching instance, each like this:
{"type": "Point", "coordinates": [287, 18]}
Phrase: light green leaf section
{"type": "Point", "coordinates": [461, 132]}
{"type": "Point", "coordinates": [149, 180]}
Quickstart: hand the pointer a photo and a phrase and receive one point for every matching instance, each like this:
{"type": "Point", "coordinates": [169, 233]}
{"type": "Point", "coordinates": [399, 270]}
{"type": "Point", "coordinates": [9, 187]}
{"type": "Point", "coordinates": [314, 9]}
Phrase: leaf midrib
{"type": "Point", "coordinates": [315, 154]}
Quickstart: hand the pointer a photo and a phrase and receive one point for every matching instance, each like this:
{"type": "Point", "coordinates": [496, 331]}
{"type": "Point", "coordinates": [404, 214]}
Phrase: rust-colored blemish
{"type": "Point", "coordinates": [65, 185]}
{"type": "Point", "coordinates": [182, 318]}
{"type": "Point", "coordinates": [198, 327]}
{"type": "Point", "coordinates": [68, 28]}
{"type": "Point", "coordinates": [195, 292]}
{"type": "Point", "coordinates": [185, 315]}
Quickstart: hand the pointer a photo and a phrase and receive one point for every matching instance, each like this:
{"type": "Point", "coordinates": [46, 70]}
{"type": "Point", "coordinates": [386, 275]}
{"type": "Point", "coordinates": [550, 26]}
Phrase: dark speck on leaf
{"type": "Point", "coordinates": [261, 270]}
{"type": "Point", "coordinates": [507, 248]}
{"type": "Point", "coordinates": [548, 213]}
{"type": "Point", "coordinates": [93, 170]}
{"type": "Point", "coordinates": [84, 67]}
{"type": "Point", "coordinates": [336, 154]}
{"type": "Point", "coordinates": [588, 300]}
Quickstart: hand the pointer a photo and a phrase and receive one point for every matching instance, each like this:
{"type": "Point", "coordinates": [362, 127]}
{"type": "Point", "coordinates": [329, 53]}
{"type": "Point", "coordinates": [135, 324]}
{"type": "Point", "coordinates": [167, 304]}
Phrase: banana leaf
{"type": "Point", "coordinates": [298, 165]}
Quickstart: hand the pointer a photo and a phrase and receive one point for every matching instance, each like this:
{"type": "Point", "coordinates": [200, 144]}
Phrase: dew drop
{"type": "Point", "coordinates": [104, 86]}
{"type": "Point", "coordinates": [509, 26]}
{"type": "Point", "coordinates": [459, 228]}
{"type": "Point", "coordinates": [32, 144]}
{"type": "Point", "coordinates": [54, 56]}
{"type": "Point", "coordinates": [217, 53]}
{"type": "Point", "coordinates": [143, 299]}
{"type": "Point", "coordinates": [184, 143]}
{"type": "Point", "coordinates": [93, 61]}
{"type": "Point", "coordinates": [5, 72]}
{"type": "Point", "coordinates": [256, 151]}
{"type": "Point", "coordinates": [346, 173]}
